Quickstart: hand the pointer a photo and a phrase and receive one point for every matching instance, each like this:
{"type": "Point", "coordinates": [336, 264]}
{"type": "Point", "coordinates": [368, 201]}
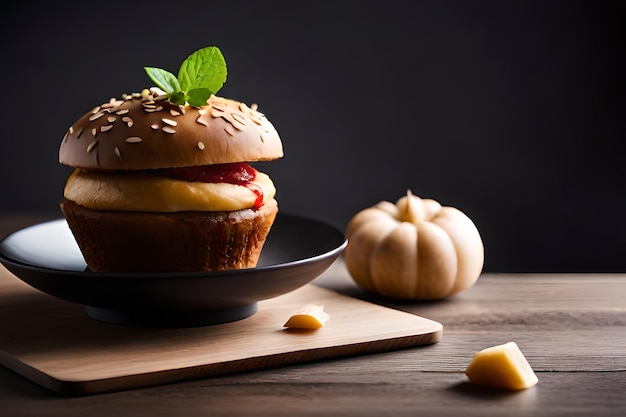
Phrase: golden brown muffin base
{"type": "Point", "coordinates": [118, 241]}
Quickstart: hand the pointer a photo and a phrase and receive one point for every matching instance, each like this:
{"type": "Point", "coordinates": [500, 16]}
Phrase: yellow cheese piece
{"type": "Point", "coordinates": [310, 317]}
{"type": "Point", "coordinates": [149, 191]}
{"type": "Point", "coordinates": [502, 366]}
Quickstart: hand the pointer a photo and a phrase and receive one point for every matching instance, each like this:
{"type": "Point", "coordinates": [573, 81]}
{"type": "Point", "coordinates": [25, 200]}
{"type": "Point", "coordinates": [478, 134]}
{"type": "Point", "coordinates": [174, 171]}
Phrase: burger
{"type": "Point", "coordinates": [162, 180]}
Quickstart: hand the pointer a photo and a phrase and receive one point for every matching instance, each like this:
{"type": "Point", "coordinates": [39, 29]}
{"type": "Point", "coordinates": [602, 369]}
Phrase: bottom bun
{"type": "Point", "coordinates": [122, 241]}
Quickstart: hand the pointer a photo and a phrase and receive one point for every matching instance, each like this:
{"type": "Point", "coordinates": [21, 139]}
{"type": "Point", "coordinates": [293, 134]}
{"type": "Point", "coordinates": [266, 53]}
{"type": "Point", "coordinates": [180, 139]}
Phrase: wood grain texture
{"type": "Point", "coordinates": [56, 345]}
{"type": "Point", "coordinates": [562, 322]}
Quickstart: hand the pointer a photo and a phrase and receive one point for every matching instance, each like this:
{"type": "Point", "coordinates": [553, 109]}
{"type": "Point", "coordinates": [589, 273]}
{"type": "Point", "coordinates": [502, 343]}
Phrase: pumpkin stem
{"type": "Point", "coordinates": [411, 211]}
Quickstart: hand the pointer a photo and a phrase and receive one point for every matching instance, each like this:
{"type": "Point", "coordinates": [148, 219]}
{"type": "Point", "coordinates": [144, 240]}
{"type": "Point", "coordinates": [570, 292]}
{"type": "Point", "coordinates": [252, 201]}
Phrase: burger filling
{"type": "Point", "coordinates": [224, 187]}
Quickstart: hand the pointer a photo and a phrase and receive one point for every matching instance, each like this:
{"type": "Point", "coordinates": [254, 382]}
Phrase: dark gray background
{"type": "Point", "coordinates": [512, 111]}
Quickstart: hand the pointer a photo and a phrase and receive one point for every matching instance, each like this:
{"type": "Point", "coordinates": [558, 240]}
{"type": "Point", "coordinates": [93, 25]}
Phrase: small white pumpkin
{"type": "Point", "coordinates": [415, 249]}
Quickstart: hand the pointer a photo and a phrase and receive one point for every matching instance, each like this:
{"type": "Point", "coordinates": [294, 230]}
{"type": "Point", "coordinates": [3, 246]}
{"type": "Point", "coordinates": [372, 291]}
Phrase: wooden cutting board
{"type": "Point", "coordinates": [56, 345]}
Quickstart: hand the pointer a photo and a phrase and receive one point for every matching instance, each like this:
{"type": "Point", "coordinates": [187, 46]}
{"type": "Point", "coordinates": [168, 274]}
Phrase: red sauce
{"type": "Point", "coordinates": [239, 173]}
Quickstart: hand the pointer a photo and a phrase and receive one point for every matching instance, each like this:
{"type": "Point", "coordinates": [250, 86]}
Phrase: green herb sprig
{"type": "Point", "coordinates": [203, 73]}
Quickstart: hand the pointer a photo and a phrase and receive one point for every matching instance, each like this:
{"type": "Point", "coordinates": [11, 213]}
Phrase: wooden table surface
{"type": "Point", "coordinates": [571, 327]}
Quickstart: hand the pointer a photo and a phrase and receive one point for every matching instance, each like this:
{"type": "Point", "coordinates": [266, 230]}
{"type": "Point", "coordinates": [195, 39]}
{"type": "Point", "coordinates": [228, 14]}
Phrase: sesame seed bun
{"type": "Point", "coordinates": [145, 131]}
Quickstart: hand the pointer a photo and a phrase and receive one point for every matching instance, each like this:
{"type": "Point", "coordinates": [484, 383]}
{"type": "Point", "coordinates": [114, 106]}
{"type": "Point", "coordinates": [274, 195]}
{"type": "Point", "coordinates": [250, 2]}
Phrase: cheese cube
{"type": "Point", "coordinates": [502, 366]}
{"type": "Point", "coordinates": [310, 317]}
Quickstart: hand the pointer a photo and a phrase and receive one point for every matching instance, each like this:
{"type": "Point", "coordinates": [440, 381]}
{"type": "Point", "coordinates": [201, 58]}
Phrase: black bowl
{"type": "Point", "coordinates": [47, 257]}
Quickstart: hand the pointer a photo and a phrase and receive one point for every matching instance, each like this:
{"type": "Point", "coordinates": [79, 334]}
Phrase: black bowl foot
{"type": "Point", "coordinates": [172, 319]}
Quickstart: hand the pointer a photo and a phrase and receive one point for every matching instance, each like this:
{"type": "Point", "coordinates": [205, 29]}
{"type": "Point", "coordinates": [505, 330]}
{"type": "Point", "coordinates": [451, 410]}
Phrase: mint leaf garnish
{"type": "Point", "coordinates": [198, 96]}
{"type": "Point", "coordinates": [165, 80]}
{"type": "Point", "coordinates": [177, 98]}
{"type": "Point", "coordinates": [205, 68]}
{"type": "Point", "coordinates": [203, 73]}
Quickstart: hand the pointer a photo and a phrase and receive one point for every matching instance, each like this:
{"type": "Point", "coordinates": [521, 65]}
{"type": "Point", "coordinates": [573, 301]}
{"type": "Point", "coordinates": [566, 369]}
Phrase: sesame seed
{"type": "Point", "coordinates": [236, 124]}
{"type": "Point", "coordinates": [121, 112]}
{"type": "Point", "coordinates": [117, 152]}
{"type": "Point", "coordinates": [128, 121]}
{"type": "Point", "coordinates": [92, 145]}
{"type": "Point", "coordinates": [174, 112]}
{"type": "Point", "coordinates": [111, 119]}
{"type": "Point", "coordinates": [239, 118]}
{"type": "Point", "coordinates": [154, 126]}
{"type": "Point", "coordinates": [95, 110]}
{"type": "Point", "coordinates": [106, 128]}
{"type": "Point", "coordinates": [229, 129]}
{"type": "Point", "coordinates": [94, 131]}
{"type": "Point", "coordinates": [112, 103]}
{"type": "Point", "coordinates": [71, 129]}
{"type": "Point", "coordinates": [168, 129]}
{"type": "Point", "coordinates": [201, 146]}
{"type": "Point", "coordinates": [96, 116]}
{"type": "Point", "coordinates": [169, 122]}
{"type": "Point", "coordinates": [133, 139]}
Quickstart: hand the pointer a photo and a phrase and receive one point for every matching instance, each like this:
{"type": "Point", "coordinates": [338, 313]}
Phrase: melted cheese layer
{"type": "Point", "coordinates": [149, 192]}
